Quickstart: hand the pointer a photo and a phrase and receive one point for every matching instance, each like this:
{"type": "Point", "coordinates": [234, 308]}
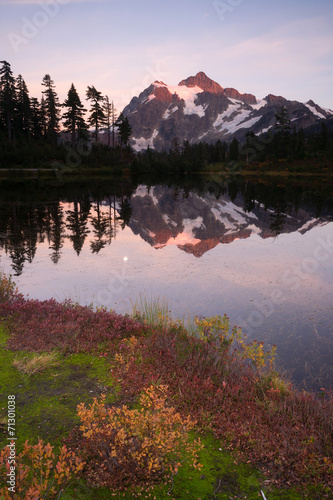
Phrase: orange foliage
{"type": "Point", "coordinates": [39, 472]}
{"type": "Point", "coordinates": [128, 447]}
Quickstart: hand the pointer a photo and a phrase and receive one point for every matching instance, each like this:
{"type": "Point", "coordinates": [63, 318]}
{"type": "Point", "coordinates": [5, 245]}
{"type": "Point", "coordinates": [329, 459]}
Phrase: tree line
{"type": "Point", "coordinates": [25, 119]}
{"type": "Point", "coordinates": [281, 142]}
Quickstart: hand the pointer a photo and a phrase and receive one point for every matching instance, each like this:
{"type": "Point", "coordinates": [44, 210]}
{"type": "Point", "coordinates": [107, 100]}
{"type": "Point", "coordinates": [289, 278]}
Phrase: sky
{"type": "Point", "coordinates": [282, 47]}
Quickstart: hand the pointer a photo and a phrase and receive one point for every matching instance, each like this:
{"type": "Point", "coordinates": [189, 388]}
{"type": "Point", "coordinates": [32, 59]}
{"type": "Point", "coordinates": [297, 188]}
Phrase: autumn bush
{"type": "Point", "coordinates": [127, 447]}
{"type": "Point", "coordinates": [40, 473]}
{"type": "Point", "coordinates": [234, 392]}
{"type": "Point", "coordinates": [8, 289]}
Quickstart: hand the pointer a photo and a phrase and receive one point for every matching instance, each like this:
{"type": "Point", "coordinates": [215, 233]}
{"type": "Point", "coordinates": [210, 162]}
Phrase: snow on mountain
{"type": "Point", "coordinates": [234, 118]}
{"type": "Point", "coordinates": [260, 104]}
{"type": "Point", "coordinates": [316, 110]}
{"type": "Point", "coordinates": [200, 109]}
{"type": "Point", "coordinates": [188, 95]}
{"type": "Point", "coordinates": [142, 143]}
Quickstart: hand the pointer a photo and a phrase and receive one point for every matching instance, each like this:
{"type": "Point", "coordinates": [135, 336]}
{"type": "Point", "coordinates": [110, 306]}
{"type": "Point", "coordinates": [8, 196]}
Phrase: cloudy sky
{"type": "Point", "coordinates": [283, 47]}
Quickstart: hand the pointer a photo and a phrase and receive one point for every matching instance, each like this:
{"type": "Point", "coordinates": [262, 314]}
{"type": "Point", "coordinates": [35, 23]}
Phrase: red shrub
{"type": "Point", "coordinates": [42, 326]}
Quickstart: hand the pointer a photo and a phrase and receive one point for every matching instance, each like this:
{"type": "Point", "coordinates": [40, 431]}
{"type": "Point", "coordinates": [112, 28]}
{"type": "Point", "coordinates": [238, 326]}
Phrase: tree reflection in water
{"type": "Point", "coordinates": [97, 217]}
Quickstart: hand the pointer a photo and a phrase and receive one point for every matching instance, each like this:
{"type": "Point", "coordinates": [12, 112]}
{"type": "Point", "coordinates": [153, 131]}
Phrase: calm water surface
{"type": "Point", "coordinates": [259, 252]}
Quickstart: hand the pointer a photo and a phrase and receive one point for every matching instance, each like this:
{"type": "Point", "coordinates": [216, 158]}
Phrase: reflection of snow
{"type": "Point", "coordinates": [230, 215]}
{"type": "Point", "coordinates": [143, 191]}
{"type": "Point", "coordinates": [310, 224]}
{"type": "Point", "coordinates": [168, 221]}
{"type": "Point", "coordinates": [254, 229]}
{"type": "Point", "coordinates": [187, 236]}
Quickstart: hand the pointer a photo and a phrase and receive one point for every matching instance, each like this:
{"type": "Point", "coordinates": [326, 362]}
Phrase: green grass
{"type": "Point", "coordinates": [154, 312]}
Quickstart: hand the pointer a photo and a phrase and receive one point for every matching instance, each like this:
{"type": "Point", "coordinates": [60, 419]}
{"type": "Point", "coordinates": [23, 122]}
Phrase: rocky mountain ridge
{"type": "Point", "coordinates": [200, 109]}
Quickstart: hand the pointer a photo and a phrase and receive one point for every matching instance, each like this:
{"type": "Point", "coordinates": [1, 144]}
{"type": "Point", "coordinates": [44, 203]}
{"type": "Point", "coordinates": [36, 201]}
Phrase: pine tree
{"type": "Point", "coordinates": [283, 129]}
{"type": "Point", "coordinates": [97, 116]}
{"type": "Point", "coordinates": [124, 129]}
{"type": "Point", "coordinates": [43, 116]}
{"type": "Point", "coordinates": [283, 121]}
{"type": "Point", "coordinates": [52, 108]}
{"type": "Point", "coordinates": [110, 113]}
{"type": "Point", "coordinates": [74, 117]}
{"type": "Point", "coordinates": [323, 136]}
{"type": "Point", "coordinates": [300, 144]}
{"type": "Point", "coordinates": [36, 123]}
{"type": "Point", "coordinates": [23, 106]}
{"type": "Point", "coordinates": [7, 98]}
{"type": "Point", "coordinates": [234, 150]}
{"type": "Point", "coordinates": [107, 112]}
{"type": "Point", "coordinates": [114, 118]}
{"type": "Point", "coordinates": [175, 147]}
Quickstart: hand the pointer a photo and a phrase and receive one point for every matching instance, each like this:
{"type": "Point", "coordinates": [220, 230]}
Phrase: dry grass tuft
{"type": "Point", "coordinates": [36, 363]}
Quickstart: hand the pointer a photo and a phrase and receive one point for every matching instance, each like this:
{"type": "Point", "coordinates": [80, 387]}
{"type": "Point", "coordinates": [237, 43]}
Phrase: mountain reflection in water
{"type": "Point", "coordinates": [262, 253]}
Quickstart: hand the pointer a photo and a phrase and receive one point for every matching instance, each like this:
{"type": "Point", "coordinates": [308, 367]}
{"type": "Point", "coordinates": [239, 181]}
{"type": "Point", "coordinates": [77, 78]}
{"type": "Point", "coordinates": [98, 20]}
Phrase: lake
{"type": "Point", "coordinates": [259, 250]}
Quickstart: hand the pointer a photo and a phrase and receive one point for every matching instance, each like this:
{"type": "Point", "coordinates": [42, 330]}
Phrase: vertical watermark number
{"type": "Point", "coordinates": [11, 461]}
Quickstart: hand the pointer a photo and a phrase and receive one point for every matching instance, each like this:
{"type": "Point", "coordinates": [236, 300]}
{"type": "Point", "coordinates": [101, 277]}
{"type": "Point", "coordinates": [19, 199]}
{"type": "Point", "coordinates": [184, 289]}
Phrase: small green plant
{"type": "Point", "coordinates": [138, 446]}
{"type": "Point", "coordinates": [36, 363]}
{"type": "Point", "coordinates": [256, 354]}
{"type": "Point", "coordinates": [216, 331]}
{"type": "Point", "coordinates": [7, 288]}
{"type": "Point", "coordinates": [39, 473]}
{"type": "Point", "coordinates": [154, 312]}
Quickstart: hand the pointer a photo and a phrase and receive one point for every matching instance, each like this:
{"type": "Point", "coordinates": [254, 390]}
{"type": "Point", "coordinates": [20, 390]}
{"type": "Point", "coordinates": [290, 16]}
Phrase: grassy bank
{"type": "Point", "coordinates": [64, 175]}
{"type": "Point", "coordinates": [253, 431]}
{"type": "Point", "coordinates": [307, 167]}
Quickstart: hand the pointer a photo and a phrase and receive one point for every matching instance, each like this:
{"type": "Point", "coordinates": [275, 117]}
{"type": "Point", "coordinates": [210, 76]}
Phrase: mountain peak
{"type": "Point", "coordinates": [204, 82]}
{"type": "Point", "coordinates": [199, 109]}
{"type": "Point", "coordinates": [275, 100]}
